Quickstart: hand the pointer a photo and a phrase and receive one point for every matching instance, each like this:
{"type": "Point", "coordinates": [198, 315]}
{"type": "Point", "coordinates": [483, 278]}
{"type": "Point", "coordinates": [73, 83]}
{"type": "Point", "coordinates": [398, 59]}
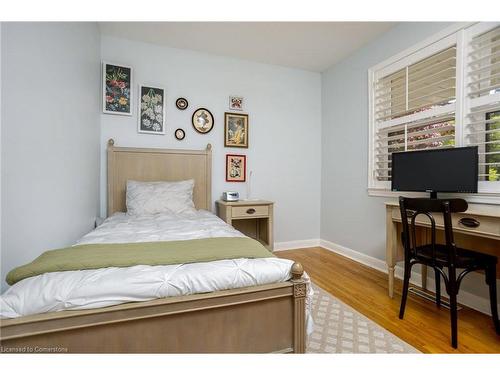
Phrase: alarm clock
{"type": "Point", "coordinates": [230, 196]}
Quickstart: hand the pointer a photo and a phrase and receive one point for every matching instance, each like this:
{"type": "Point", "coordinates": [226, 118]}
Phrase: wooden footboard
{"type": "Point", "coordinates": [262, 319]}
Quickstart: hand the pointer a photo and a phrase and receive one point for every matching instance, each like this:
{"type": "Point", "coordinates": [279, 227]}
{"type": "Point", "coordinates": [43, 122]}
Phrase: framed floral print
{"type": "Point", "coordinates": [151, 110]}
{"type": "Point", "coordinates": [235, 130]}
{"type": "Point", "coordinates": [236, 103]}
{"type": "Point", "coordinates": [236, 168]}
{"type": "Point", "coordinates": [202, 120]}
{"type": "Point", "coordinates": [116, 89]}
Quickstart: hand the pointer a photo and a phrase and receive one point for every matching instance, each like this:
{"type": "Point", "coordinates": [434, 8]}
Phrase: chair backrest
{"type": "Point", "coordinates": [411, 208]}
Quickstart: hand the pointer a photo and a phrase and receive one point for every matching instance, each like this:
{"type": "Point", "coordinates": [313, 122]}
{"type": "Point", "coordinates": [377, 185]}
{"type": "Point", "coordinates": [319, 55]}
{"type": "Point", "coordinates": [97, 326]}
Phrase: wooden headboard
{"type": "Point", "coordinates": [156, 164]}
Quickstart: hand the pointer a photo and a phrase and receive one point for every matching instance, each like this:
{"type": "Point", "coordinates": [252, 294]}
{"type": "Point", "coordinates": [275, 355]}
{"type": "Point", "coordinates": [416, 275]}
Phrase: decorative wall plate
{"type": "Point", "coordinates": [202, 120]}
{"type": "Point", "coordinates": [179, 134]}
{"type": "Point", "coordinates": [181, 103]}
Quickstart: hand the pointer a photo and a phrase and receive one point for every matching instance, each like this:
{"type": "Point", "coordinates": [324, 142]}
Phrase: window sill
{"type": "Point", "coordinates": [484, 198]}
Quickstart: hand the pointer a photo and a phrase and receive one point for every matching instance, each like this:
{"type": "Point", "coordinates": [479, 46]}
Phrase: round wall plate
{"type": "Point", "coordinates": [202, 120]}
{"type": "Point", "coordinates": [179, 134]}
{"type": "Point", "coordinates": [181, 103]}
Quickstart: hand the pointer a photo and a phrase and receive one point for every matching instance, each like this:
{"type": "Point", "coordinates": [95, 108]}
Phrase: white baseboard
{"type": "Point", "coordinates": [355, 255]}
{"type": "Point", "coordinates": [465, 298]}
{"type": "Point", "coordinates": [290, 245]}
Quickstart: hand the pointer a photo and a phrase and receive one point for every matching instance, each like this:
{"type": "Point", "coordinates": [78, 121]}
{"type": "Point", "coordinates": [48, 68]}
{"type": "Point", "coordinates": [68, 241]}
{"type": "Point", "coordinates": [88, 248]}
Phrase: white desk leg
{"type": "Point", "coordinates": [391, 281]}
{"type": "Point", "coordinates": [424, 277]}
{"type": "Point", "coordinates": [391, 249]}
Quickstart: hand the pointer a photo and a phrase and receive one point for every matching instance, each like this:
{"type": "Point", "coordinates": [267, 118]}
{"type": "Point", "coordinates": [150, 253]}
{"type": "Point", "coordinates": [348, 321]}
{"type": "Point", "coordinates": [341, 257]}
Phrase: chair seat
{"type": "Point", "coordinates": [465, 258]}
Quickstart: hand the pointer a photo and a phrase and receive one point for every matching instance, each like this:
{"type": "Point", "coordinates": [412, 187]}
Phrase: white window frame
{"type": "Point", "coordinates": [488, 192]}
{"type": "Point", "coordinates": [469, 33]}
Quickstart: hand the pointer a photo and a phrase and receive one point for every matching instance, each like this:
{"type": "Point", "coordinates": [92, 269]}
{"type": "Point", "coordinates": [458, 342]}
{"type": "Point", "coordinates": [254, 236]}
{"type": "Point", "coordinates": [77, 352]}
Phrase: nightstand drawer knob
{"type": "Point", "coordinates": [251, 211]}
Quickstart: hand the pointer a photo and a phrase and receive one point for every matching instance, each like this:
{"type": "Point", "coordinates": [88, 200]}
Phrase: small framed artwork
{"type": "Point", "coordinates": [236, 103]}
{"type": "Point", "coordinates": [116, 89]}
{"type": "Point", "coordinates": [181, 104]}
{"type": "Point", "coordinates": [179, 134]}
{"type": "Point", "coordinates": [151, 110]}
{"type": "Point", "coordinates": [235, 130]}
{"type": "Point", "coordinates": [236, 168]}
{"type": "Point", "coordinates": [202, 120]}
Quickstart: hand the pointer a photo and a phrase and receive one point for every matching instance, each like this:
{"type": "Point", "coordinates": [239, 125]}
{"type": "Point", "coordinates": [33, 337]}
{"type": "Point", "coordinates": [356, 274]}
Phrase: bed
{"type": "Point", "coordinates": [268, 317]}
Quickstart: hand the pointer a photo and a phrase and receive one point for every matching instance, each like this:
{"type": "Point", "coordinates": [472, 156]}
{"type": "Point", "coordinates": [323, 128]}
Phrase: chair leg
{"type": "Point", "coordinates": [437, 276]}
{"type": "Point", "coordinates": [491, 280]}
{"type": "Point", "coordinates": [406, 285]}
{"type": "Point", "coordinates": [452, 289]}
{"type": "Point", "coordinates": [453, 315]}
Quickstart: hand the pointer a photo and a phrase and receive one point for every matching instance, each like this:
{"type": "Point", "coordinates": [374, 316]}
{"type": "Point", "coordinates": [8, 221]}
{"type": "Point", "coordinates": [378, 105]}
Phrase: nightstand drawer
{"type": "Point", "coordinates": [249, 211]}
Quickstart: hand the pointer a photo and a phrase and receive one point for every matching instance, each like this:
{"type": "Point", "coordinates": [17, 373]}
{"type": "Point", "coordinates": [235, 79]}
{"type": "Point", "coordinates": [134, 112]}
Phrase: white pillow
{"type": "Point", "coordinates": [159, 197]}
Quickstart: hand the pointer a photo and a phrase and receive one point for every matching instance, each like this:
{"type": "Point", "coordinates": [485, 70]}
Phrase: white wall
{"type": "Point", "coordinates": [284, 107]}
{"type": "Point", "coordinates": [50, 137]}
{"type": "Point", "coordinates": [349, 217]}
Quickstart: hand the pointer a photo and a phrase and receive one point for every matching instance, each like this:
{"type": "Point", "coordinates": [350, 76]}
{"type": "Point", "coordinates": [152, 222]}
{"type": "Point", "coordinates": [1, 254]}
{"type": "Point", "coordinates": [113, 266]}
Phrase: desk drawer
{"type": "Point", "coordinates": [488, 226]}
{"type": "Point", "coordinates": [250, 211]}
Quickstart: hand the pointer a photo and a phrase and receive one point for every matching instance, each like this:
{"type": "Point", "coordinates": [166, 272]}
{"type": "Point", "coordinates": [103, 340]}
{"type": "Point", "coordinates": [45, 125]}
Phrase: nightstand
{"type": "Point", "coordinates": [253, 218]}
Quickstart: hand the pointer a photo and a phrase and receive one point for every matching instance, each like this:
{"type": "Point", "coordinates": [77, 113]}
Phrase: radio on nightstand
{"type": "Point", "coordinates": [230, 196]}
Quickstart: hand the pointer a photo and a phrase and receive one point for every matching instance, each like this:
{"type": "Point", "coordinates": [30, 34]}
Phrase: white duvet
{"type": "Point", "coordinates": [87, 289]}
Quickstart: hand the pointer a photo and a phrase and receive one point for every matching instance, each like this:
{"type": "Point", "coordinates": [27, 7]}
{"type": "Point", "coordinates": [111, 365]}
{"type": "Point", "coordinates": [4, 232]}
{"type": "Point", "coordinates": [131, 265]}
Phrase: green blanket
{"type": "Point", "coordinates": [93, 256]}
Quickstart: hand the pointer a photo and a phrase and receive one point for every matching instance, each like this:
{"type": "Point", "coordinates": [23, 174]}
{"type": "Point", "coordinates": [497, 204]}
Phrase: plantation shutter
{"type": "Point", "coordinates": [482, 120]}
{"type": "Point", "coordinates": [414, 109]}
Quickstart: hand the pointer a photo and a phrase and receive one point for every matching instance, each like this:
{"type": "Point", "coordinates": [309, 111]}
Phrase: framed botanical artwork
{"type": "Point", "coordinates": [236, 168]}
{"type": "Point", "coordinates": [116, 89]}
{"type": "Point", "coordinates": [236, 103]}
{"type": "Point", "coordinates": [235, 130]}
{"type": "Point", "coordinates": [202, 120]}
{"type": "Point", "coordinates": [151, 110]}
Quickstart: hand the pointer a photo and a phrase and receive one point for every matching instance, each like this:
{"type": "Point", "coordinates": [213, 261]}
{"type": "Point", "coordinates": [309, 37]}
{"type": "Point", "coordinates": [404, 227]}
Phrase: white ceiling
{"type": "Point", "coordinates": [313, 46]}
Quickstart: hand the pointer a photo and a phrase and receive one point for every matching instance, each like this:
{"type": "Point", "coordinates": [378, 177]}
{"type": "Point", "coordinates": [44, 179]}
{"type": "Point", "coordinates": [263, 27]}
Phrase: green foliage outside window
{"type": "Point", "coordinates": [493, 147]}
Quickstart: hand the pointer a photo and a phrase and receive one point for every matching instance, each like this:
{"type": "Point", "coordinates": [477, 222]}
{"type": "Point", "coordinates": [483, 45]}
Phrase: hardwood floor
{"type": "Point", "coordinates": [425, 326]}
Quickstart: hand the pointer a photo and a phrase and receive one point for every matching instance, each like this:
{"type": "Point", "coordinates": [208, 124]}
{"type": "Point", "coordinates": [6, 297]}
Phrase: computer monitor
{"type": "Point", "coordinates": [450, 170]}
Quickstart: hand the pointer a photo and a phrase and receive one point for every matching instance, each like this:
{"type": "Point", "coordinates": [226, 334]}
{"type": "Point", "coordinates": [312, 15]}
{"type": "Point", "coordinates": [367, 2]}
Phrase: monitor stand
{"type": "Point", "coordinates": [434, 194]}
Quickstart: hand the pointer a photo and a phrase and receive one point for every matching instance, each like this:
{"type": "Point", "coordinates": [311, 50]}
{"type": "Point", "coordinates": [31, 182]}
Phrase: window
{"type": "Point", "coordinates": [414, 108]}
{"type": "Point", "coordinates": [492, 147]}
{"type": "Point", "coordinates": [440, 94]}
{"type": "Point", "coordinates": [482, 123]}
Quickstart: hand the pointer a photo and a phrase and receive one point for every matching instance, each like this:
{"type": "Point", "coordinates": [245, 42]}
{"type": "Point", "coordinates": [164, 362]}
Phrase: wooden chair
{"type": "Point", "coordinates": [440, 256]}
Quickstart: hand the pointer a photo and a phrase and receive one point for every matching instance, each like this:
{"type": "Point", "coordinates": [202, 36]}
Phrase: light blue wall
{"type": "Point", "coordinates": [284, 107]}
{"type": "Point", "coordinates": [349, 217]}
{"type": "Point", "coordinates": [50, 137]}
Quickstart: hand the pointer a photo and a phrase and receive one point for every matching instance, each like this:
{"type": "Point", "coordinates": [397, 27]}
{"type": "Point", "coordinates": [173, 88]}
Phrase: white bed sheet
{"type": "Point", "coordinates": [87, 289]}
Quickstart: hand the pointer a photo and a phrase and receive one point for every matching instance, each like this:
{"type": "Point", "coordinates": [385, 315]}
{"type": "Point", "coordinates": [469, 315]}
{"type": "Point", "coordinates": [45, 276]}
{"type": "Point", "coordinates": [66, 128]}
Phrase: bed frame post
{"type": "Point", "coordinates": [111, 160]}
{"type": "Point", "coordinates": [299, 319]}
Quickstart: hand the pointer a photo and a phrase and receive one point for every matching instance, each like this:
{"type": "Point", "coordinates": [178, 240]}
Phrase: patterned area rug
{"type": "Point", "coordinates": [339, 328]}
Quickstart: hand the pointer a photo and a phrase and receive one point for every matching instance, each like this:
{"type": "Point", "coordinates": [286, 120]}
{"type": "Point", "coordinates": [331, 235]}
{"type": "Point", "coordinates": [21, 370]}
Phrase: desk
{"type": "Point", "coordinates": [485, 238]}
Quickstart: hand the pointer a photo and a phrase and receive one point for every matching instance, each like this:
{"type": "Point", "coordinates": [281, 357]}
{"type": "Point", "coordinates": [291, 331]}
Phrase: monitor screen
{"type": "Point", "coordinates": [445, 170]}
